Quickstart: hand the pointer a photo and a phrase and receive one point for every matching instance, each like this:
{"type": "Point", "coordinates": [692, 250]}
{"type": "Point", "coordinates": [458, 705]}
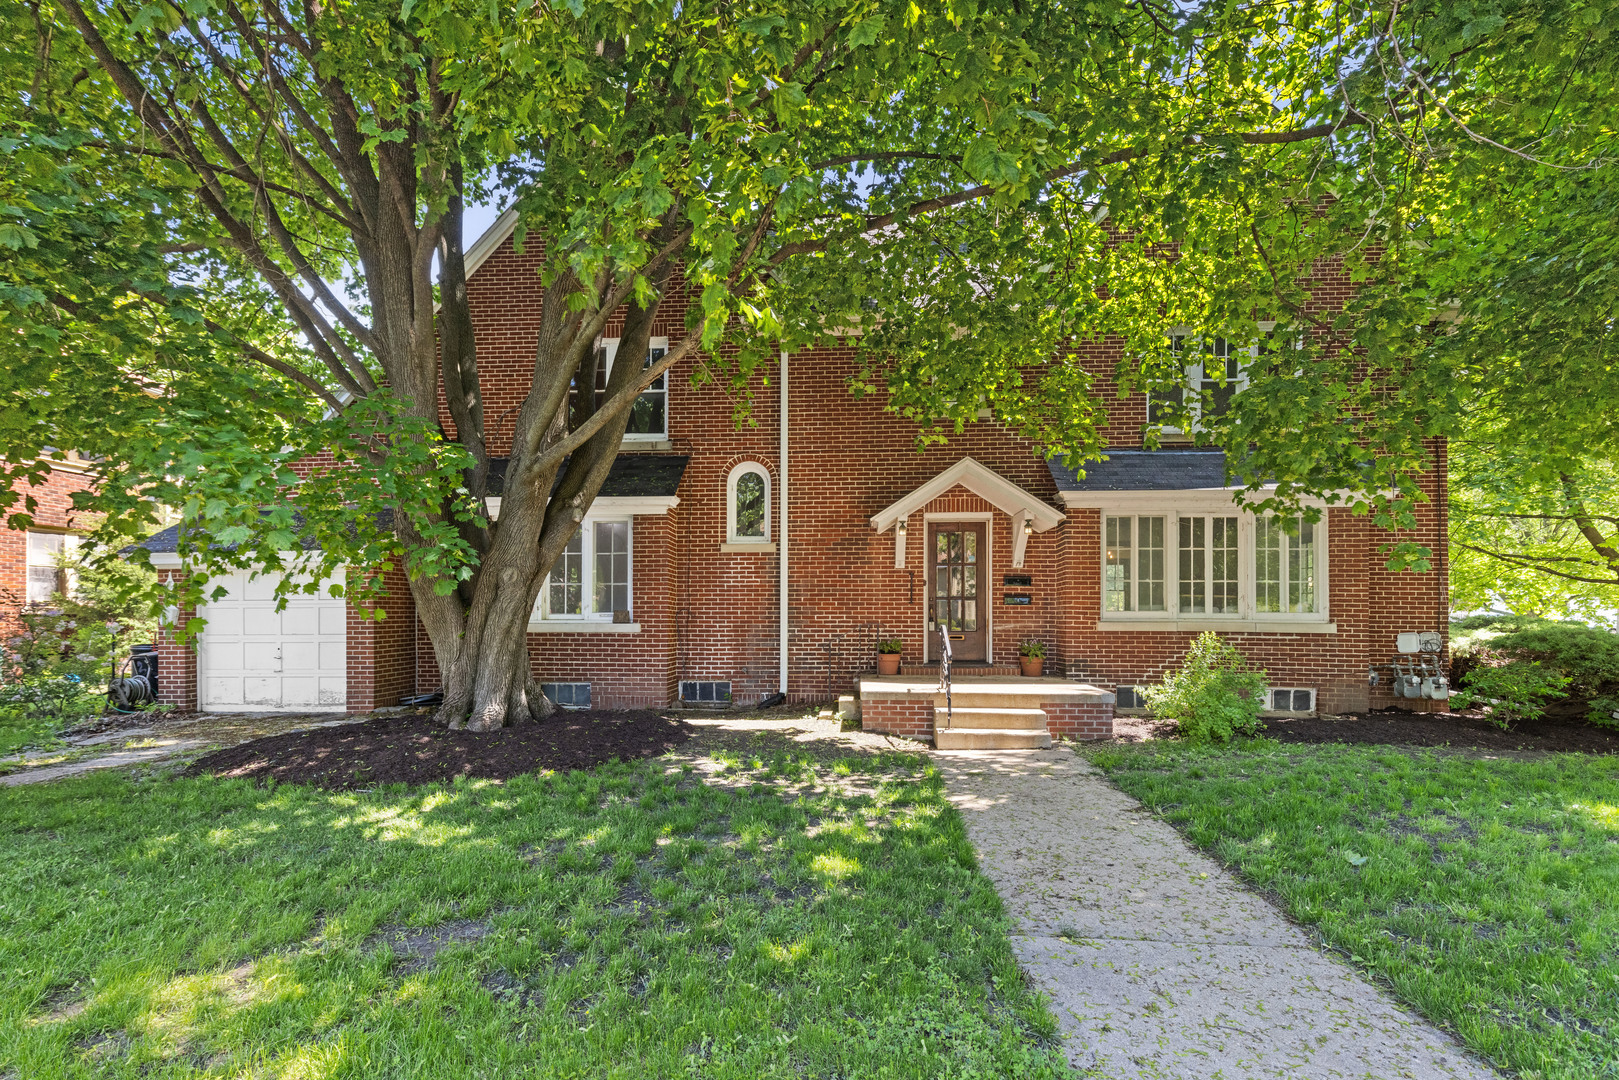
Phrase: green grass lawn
{"type": "Point", "coordinates": [793, 917]}
{"type": "Point", "coordinates": [1484, 891]}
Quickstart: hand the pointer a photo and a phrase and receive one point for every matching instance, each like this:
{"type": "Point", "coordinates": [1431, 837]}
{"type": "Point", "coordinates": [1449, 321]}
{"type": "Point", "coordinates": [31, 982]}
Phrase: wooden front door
{"type": "Point", "coordinates": [956, 572]}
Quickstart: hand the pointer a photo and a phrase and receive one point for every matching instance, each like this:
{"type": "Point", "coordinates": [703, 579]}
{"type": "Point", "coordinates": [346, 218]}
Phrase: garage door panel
{"type": "Point", "coordinates": [300, 620]}
{"type": "Point", "coordinates": [262, 690]}
{"type": "Point", "coordinates": [261, 620]}
{"type": "Point", "coordinates": [333, 622]}
{"type": "Point", "coordinates": [333, 657]}
{"type": "Point", "coordinates": [260, 656]}
{"type": "Point", "coordinates": [221, 656]}
{"type": "Point", "coordinates": [334, 690]}
{"type": "Point", "coordinates": [218, 691]}
{"type": "Point", "coordinates": [299, 691]}
{"type": "Point", "coordinates": [223, 621]}
{"type": "Point", "coordinates": [299, 655]}
{"type": "Point", "coordinates": [261, 588]}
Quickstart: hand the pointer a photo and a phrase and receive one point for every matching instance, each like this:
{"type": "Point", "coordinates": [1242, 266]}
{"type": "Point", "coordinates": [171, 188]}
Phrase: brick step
{"type": "Point", "coordinates": [989, 739]}
{"type": "Point", "coordinates": [1004, 719]}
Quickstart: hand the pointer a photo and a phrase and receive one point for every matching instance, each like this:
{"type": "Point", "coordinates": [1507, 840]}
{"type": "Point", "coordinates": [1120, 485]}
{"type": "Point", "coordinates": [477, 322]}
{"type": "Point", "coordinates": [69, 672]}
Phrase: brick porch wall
{"type": "Point", "coordinates": [1084, 720]}
{"type": "Point", "coordinates": [909, 718]}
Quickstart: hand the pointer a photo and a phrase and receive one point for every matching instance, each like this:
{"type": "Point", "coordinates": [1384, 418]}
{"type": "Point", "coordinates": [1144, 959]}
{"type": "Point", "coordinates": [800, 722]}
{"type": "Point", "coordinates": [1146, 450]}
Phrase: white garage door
{"type": "Point", "coordinates": [254, 658]}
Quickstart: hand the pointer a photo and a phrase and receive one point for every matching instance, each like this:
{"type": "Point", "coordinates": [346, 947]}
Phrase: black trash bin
{"type": "Point", "coordinates": [143, 661]}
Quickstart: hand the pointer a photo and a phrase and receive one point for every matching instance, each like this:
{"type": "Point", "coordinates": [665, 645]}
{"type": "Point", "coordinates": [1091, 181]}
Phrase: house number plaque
{"type": "Point", "coordinates": [1025, 580]}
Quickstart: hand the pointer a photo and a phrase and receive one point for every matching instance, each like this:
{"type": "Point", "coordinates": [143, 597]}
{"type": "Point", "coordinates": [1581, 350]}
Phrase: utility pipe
{"type": "Point", "coordinates": [781, 537]}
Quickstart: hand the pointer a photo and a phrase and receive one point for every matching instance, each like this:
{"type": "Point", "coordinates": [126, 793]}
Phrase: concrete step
{"type": "Point", "coordinates": [969, 670]}
{"type": "Point", "coordinates": [989, 739]}
{"type": "Point", "coordinates": [967, 699]}
{"type": "Point", "coordinates": [1008, 719]}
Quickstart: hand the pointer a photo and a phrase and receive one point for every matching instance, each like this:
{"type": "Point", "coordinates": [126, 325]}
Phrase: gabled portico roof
{"type": "Point", "coordinates": [989, 485]}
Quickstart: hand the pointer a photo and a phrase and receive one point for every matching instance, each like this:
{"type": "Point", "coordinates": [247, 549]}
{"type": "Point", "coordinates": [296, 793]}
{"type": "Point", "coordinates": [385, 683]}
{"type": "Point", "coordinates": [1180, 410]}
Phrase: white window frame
{"type": "Point", "coordinates": [1192, 375]}
{"type": "Point", "coordinates": [609, 347]}
{"type": "Point", "coordinates": [738, 471]}
{"type": "Point", "coordinates": [1246, 618]}
{"type": "Point", "coordinates": [587, 579]}
{"type": "Point", "coordinates": [67, 579]}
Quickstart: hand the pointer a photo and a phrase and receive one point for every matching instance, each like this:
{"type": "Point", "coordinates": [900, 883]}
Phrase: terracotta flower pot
{"type": "Point", "coordinates": [1032, 666]}
{"type": "Point", "coordinates": [888, 663]}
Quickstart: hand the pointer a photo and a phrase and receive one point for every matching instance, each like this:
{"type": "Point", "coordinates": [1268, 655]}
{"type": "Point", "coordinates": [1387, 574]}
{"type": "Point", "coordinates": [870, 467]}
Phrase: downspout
{"type": "Point", "coordinates": [781, 537]}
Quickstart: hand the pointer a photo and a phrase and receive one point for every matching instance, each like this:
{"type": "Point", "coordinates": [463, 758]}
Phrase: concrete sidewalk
{"type": "Point", "coordinates": [1159, 963]}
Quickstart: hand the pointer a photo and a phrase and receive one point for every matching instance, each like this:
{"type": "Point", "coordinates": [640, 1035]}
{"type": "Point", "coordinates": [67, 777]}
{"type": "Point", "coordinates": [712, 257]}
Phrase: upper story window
{"type": "Point", "coordinates": [48, 578]}
{"type": "Point", "coordinates": [649, 416]}
{"type": "Point", "coordinates": [1221, 565]}
{"type": "Point", "coordinates": [748, 503]}
{"type": "Point", "coordinates": [592, 578]}
{"type": "Point", "coordinates": [1215, 371]}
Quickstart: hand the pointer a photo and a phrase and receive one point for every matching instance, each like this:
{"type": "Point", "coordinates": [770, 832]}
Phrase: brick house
{"type": "Point", "coordinates": [730, 564]}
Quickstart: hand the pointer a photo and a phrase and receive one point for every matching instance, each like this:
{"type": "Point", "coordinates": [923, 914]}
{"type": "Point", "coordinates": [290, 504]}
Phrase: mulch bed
{"type": "Point", "coordinates": [1397, 727]}
{"type": "Point", "coordinates": [1458, 731]}
{"type": "Point", "coordinates": [415, 750]}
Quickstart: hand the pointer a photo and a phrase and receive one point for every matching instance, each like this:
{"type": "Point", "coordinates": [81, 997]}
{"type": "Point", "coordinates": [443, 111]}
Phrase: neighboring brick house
{"type": "Point", "coordinates": [724, 563]}
{"type": "Point", "coordinates": [30, 559]}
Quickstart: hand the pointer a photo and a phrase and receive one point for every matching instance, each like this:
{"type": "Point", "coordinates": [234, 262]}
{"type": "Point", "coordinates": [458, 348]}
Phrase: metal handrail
{"type": "Point", "coordinates": [944, 676]}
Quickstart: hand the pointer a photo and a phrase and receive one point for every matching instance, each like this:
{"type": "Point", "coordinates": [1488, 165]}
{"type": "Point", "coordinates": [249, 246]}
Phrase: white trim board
{"type": "Point", "coordinates": [491, 239]}
{"type": "Point", "coordinates": [610, 506]}
{"type": "Point", "coordinates": [1182, 499]}
{"type": "Point", "coordinates": [982, 481]}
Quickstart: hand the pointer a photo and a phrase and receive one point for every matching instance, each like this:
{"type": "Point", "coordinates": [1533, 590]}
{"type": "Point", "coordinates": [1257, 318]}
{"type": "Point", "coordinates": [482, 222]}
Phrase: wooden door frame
{"type": "Point", "coordinates": [988, 521]}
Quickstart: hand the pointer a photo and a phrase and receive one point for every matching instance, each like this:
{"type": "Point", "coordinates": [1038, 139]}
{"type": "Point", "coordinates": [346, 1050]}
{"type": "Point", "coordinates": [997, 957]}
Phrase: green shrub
{"type": "Point", "coordinates": [1588, 655]}
{"type": "Point", "coordinates": [1518, 690]}
{"type": "Point", "coordinates": [1216, 693]}
{"type": "Point", "coordinates": [1604, 712]}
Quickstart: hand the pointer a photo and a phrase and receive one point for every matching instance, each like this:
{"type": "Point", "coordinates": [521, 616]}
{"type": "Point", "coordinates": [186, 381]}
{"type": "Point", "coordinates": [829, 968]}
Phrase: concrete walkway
{"type": "Point", "coordinates": [1159, 963]}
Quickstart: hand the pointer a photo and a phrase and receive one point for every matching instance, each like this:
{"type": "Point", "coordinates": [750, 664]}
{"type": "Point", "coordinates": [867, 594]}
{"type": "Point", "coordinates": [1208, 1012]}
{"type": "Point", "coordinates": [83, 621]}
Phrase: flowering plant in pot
{"type": "Point", "coordinates": [888, 653]}
{"type": "Point", "coordinates": [1031, 657]}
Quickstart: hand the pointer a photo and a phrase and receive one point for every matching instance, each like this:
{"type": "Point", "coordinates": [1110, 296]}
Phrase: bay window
{"type": "Point", "coordinates": [1213, 564]}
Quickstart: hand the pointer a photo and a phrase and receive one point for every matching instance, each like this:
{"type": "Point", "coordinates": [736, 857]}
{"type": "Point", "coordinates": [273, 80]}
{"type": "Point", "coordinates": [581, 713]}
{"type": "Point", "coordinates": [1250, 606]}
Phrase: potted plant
{"type": "Point", "coordinates": [888, 651]}
{"type": "Point", "coordinates": [1031, 656]}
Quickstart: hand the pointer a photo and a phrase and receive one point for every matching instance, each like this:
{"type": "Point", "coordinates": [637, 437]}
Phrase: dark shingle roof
{"type": "Point", "coordinates": [1146, 470]}
{"type": "Point", "coordinates": [630, 475]}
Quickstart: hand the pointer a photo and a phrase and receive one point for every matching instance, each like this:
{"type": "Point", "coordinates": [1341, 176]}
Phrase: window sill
{"type": "Point", "coordinates": [740, 548]}
{"type": "Point", "coordinates": [1234, 626]}
{"type": "Point", "coordinates": [630, 445]}
{"type": "Point", "coordinates": [581, 626]}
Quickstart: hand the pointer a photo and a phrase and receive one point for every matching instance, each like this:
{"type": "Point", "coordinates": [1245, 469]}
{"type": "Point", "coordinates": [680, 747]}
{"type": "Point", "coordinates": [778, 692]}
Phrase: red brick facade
{"type": "Point", "coordinates": [702, 612]}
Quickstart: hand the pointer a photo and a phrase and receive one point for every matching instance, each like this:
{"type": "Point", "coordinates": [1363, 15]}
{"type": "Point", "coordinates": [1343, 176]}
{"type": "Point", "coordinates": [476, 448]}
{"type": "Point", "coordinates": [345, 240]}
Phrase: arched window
{"type": "Point", "coordinates": [748, 502]}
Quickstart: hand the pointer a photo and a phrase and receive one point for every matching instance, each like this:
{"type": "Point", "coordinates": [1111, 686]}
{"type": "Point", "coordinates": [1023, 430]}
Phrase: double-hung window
{"type": "Point", "coordinates": [1285, 560]}
{"type": "Point", "coordinates": [1216, 563]}
{"type": "Point", "coordinates": [48, 577]}
{"type": "Point", "coordinates": [649, 416]}
{"type": "Point", "coordinates": [592, 577]}
{"type": "Point", "coordinates": [1214, 370]}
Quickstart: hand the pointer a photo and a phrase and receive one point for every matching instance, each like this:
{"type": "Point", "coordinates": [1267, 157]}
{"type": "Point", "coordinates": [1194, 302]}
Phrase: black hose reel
{"type": "Point", "coordinates": [136, 689]}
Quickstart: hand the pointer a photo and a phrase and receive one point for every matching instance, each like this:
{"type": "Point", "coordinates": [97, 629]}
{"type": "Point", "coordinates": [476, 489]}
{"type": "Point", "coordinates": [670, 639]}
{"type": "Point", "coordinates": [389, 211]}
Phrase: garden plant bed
{"type": "Point", "coordinates": [413, 749]}
{"type": "Point", "coordinates": [1396, 727]}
